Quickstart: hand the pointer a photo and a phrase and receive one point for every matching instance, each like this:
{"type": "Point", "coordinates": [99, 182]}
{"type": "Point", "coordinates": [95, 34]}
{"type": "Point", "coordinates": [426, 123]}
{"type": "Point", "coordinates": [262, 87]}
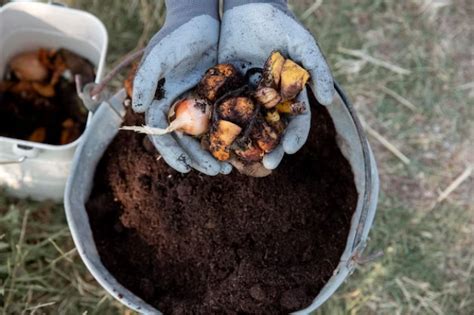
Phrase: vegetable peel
{"type": "Point", "coordinates": [293, 79]}
{"type": "Point", "coordinates": [272, 70]}
{"type": "Point", "coordinates": [222, 137]}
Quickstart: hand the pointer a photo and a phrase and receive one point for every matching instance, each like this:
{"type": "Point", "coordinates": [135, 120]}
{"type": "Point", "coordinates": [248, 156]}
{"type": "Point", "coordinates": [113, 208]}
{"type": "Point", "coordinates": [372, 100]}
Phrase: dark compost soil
{"type": "Point", "coordinates": [192, 244]}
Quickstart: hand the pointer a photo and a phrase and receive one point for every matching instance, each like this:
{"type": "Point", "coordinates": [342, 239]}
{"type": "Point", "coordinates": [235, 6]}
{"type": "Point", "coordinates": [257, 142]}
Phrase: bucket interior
{"type": "Point", "coordinates": [24, 40]}
{"type": "Point", "coordinates": [30, 26]}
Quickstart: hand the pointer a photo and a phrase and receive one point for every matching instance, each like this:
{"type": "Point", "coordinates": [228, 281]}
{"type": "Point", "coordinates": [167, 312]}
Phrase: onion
{"type": "Point", "coordinates": [27, 66]}
{"type": "Point", "coordinates": [189, 115]}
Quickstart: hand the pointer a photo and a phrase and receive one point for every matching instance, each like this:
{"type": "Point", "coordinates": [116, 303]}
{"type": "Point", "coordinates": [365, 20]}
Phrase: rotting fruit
{"type": "Point", "coordinates": [237, 121]}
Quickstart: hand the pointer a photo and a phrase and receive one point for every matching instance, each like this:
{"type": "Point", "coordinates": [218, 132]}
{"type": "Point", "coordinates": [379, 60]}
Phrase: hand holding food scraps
{"type": "Point", "coordinates": [250, 30]}
{"type": "Point", "coordinates": [177, 56]}
{"type": "Point", "coordinates": [234, 119]}
{"type": "Point", "coordinates": [256, 136]}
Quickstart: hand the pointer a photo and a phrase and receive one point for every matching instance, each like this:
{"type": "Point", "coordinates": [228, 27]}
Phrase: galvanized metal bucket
{"type": "Point", "coordinates": [105, 125]}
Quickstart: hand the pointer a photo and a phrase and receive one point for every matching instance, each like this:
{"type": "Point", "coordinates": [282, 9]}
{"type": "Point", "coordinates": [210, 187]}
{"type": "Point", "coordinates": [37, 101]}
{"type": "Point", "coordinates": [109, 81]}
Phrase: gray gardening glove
{"type": "Point", "coordinates": [250, 31]}
{"type": "Point", "coordinates": [181, 52]}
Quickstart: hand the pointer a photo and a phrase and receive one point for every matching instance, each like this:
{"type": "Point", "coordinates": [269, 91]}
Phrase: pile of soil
{"type": "Point", "coordinates": [57, 120]}
{"type": "Point", "coordinates": [193, 244]}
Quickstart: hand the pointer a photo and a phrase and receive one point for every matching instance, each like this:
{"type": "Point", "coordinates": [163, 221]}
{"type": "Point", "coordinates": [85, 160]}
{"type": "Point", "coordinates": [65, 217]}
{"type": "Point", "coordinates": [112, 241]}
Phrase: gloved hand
{"type": "Point", "coordinates": [181, 52]}
{"type": "Point", "coordinates": [250, 31]}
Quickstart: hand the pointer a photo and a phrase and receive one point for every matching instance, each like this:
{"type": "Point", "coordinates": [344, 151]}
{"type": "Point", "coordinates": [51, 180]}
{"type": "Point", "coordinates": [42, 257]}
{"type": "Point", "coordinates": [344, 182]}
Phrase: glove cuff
{"type": "Point", "coordinates": [279, 4]}
{"type": "Point", "coordinates": [184, 10]}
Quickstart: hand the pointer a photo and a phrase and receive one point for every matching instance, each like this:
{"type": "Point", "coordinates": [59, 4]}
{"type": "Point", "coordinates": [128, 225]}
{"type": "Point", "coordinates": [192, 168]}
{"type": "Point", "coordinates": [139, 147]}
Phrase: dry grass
{"type": "Point", "coordinates": [408, 67]}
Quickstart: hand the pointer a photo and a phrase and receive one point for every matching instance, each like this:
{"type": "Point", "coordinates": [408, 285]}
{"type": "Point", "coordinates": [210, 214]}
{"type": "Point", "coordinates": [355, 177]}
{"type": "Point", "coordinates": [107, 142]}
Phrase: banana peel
{"type": "Point", "coordinates": [222, 137]}
{"type": "Point", "coordinates": [291, 107]}
{"type": "Point", "coordinates": [293, 79]}
{"type": "Point", "coordinates": [265, 136]}
{"type": "Point", "coordinates": [273, 118]}
{"type": "Point", "coordinates": [272, 70]}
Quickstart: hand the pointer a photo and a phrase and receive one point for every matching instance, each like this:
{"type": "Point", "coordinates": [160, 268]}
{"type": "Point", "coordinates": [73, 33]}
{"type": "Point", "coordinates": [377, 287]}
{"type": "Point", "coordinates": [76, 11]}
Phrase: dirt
{"type": "Point", "coordinates": [193, 244]}
{"type": "Point", "coordinates": [56, 120]}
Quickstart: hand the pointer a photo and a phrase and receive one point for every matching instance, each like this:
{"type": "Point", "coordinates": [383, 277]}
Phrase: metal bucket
{"type": "Point", "coordinates": [30, 169]}
{"type": "Point", "coordinates": [103, 128]}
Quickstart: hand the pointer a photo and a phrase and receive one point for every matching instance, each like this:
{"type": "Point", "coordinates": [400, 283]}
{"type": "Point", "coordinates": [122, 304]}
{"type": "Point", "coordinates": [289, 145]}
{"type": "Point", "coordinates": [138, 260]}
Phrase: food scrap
{"type": "Point", "coordinates": [238, 121]}
{"type": "Point", "coordinates": [38, 100]}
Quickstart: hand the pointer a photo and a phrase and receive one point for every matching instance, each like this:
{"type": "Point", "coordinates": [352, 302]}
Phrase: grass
{"type": "Point", "coordinates": [428, 266]}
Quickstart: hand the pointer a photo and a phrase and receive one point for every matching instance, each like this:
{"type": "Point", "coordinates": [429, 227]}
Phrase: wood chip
{"type": "Point", "coordinates": [403, 101]}
{"type": "Point", "coordinates": [389, 146]}
{"type": "Point", "coordinates": [455, 184]}
{"type": "Point", "coordinates": [376, 62]}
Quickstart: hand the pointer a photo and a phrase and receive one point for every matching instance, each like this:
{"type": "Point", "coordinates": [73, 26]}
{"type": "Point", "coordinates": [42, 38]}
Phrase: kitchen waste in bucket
{"type": "Point", "coordinates": [39, 169]}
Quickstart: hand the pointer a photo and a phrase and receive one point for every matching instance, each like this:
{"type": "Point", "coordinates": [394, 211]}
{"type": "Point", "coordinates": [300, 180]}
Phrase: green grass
{"type": "Point", "coordinates": [428, 266]}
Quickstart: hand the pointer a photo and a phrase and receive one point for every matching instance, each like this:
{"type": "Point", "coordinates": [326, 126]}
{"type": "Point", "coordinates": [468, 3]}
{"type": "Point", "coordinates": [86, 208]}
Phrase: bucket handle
{"type": "Point", "coordinates": [59, 4]}
{"type": "Point", "coordinates": [21, 159]}
{"type": "Point", "coordinates": [23, 152]}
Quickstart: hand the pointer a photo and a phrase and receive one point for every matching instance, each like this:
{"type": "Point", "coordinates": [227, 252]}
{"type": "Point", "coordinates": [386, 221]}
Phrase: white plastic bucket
{"type": "Point", "coordinates": [105, 125]}
{"type": "Point", "coordinates": [36, 170]}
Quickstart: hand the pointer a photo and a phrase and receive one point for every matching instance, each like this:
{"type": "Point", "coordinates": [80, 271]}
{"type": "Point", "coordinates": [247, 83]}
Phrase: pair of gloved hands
{"type": "Point", "coordinates": [193, 40]}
